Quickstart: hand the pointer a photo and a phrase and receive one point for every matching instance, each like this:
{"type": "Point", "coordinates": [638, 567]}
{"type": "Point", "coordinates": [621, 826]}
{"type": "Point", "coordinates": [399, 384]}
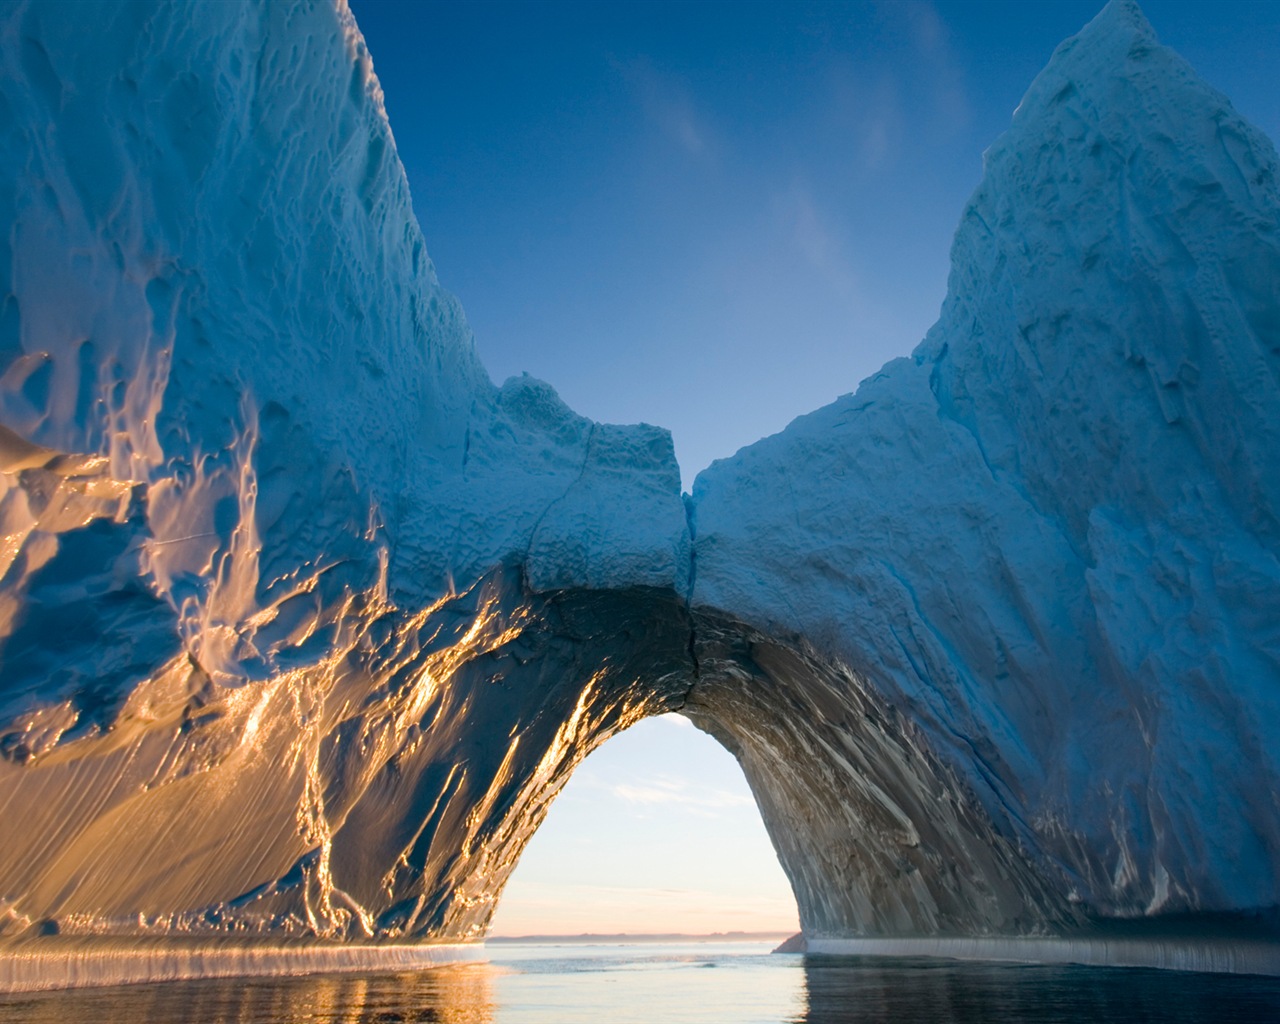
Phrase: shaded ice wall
{"type": "Point", "coordinates": [1050, 538]}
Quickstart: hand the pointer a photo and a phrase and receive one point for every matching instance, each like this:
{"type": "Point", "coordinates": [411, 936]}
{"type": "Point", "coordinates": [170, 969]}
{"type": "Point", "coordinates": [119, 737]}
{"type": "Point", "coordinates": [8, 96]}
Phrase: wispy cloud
{"type": "Point", "coordinates": [914, 83]}
{"type": "Point", "coordinates": [662, 790]}
{"type": "Point", "coordinates": [815, 236]}
{"type": "Point", "coordinates": [864, 106]}
{"type": "Point", "coordinates": [668, 105]}
{"type": "Point", "coordinates": [928, 36]}
{"type": "Point", "coordinates": [882, 124]}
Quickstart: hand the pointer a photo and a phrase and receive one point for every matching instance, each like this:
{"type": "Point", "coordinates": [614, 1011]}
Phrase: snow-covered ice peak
{"type": "Point", "coordinates": [1126, 190]}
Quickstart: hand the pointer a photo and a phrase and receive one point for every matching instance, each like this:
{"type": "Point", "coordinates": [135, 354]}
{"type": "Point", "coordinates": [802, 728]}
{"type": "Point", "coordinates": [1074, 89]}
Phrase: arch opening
{"type": "Point", "coordinates": [875, 831]}
{"type": "Point", "coordinates": [426, 763]}
{"type": "Point", "coordinates": [657, 833]}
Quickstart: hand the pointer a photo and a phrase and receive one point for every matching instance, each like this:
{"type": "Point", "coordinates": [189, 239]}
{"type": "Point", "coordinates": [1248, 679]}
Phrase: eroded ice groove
{"type": "Point", "coordinates": [386, 796]}
{"type": "Point", "coordinates": [303, 622]}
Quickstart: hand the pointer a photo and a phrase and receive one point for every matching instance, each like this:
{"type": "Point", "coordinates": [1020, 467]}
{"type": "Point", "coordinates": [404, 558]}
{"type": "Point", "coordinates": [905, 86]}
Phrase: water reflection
{"type": "Point", "coordinates": [672, 985]}
{"type": "Point", "coordinates": [447, 995]}
{"type": "Point", "coordinates": [844, 990]}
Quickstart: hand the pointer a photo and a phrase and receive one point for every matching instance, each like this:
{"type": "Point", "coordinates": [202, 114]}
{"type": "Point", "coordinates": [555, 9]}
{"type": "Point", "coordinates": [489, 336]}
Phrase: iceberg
{"type": "Point", "coordinates": [1046, 542]}
{"type": "Point", "coordinates": [304, 622]}
{"type": "Point", "coordinates": [292, 592]}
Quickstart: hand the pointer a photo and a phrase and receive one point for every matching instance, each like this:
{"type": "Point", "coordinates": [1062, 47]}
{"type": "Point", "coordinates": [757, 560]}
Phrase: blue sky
{"type": "Point", "coordinates": [714, 217]}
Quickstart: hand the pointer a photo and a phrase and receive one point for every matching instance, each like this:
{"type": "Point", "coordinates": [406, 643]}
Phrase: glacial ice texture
{"type": "Point", "coordinates": [304, 622]}
{"type": "Point", "coordinates": [1048, 540]}
{"type": "Point", "coordinates": [272, 656]}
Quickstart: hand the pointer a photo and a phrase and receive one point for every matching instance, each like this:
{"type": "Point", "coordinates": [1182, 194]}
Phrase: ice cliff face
{"type": "Point", "coordinates": [1049, 539]}
{"type": "Point", "coordinates": [271, 654]}
{"type": "Point", "coordinates": [303, 622]}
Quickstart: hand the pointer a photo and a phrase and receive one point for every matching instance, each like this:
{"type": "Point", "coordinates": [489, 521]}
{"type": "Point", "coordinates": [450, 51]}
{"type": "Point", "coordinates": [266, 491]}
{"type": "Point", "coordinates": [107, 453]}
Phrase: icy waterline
{"type": "Point", "coordinates": [1213, 957]}
{"type": "Point", "coordinates": [641, 984]}
{"type": "Point", "coordinates": [82, 966]}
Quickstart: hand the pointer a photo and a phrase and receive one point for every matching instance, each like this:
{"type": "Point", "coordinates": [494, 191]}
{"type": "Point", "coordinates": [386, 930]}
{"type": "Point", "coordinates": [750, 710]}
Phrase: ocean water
{"type": "Point", "coordinates": [695, 983]}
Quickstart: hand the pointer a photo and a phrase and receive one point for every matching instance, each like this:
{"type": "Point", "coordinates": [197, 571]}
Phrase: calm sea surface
{"type": "Point", "coordinates": [697, 983]}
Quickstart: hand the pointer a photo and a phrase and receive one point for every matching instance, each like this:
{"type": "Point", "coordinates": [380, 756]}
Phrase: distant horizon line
{"type": "Point", "coordinates": [644, 936]}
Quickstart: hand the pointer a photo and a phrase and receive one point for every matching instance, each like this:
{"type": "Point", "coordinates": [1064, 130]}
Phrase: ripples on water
{"type": "Point", "coordinates": [691, 983]}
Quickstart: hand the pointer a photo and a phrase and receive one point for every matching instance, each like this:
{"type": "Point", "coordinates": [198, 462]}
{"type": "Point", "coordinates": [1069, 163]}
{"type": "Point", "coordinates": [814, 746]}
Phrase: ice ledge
{"type": "Point", "coordinates": [88, 967]}
{"type": "Point", "coordinates": [1215, 957]}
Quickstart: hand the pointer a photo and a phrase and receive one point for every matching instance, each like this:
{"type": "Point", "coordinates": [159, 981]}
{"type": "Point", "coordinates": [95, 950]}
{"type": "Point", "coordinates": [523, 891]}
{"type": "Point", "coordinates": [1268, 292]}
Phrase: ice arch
{"type": "Point", "coordinates": [392, 802]}
{"type": "Point", "coordinates": [303, 621]}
